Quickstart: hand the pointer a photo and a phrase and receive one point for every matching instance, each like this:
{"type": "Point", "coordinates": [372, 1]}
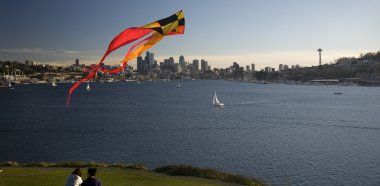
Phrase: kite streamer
{"type": "Point", "coordinates": [172, 25]}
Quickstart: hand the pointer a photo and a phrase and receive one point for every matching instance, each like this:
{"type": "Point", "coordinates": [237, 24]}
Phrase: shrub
{"type": "Point", "coordinates": [187, 170]}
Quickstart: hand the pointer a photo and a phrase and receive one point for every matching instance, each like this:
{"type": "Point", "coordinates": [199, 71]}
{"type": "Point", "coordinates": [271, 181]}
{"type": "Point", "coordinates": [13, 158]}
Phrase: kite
{"type": "Point", "coordinates": [172, 25]}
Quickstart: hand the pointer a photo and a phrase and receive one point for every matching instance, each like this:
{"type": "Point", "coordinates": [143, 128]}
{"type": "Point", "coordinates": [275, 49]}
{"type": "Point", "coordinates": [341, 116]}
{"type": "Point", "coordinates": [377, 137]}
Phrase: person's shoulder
{"type": "Point", "coordinates": [98, 182]}
{"type": "Point", "coordinates": [85, 182]}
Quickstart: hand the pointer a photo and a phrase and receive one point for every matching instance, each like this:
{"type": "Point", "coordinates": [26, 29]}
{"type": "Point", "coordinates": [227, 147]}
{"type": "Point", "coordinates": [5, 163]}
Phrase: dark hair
{"type": "Point", "coordinates": [91, 171]}
{"type": "Point", "coordinates": [77, 172]}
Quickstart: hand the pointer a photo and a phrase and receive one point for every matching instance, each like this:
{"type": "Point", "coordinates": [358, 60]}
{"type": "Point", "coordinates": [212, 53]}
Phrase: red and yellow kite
{"type": "Point", "coordinates": [172, 25]}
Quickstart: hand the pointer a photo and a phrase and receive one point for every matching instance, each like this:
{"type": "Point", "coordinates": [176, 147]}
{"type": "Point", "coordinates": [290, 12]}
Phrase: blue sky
{"type": "Point", "coordinates": [264, 32]}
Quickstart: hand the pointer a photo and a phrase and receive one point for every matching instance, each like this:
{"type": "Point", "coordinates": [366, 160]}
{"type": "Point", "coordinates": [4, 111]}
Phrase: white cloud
{"type": "Point", "coordinates": [27, 50]}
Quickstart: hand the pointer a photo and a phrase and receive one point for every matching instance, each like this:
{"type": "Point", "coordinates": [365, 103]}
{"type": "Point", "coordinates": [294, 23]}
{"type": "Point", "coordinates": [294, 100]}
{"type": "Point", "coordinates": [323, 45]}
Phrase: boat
{"type": "Point", "coordinates": [338, 93]}
{"type": "Point", "coordinates": [10, 86]}
{"type": "Point", "coordinates": [216, 102]}
{"type": "Point", "coordinates": [53, 84]}
{"type": "Point", "coordinates": [179, 85]}
{"type": "Point", "coordinates": [88, 87]}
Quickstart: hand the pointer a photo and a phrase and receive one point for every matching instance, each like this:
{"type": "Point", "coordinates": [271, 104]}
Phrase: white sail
{"type": "Point", "coordinates": [9, 84]}
{"type": "Point", "coordinates": [88, 87]}
{"type": "Point", "coordinates": [216, 102]}
{"type": "Point", "coordinates": [53, 84]}
{"type": "Point", "coordinates": [179, 85]}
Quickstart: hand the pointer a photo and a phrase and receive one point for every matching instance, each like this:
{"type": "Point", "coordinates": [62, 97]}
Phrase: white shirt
{"type": "Point", "coordinates": [73, 180]}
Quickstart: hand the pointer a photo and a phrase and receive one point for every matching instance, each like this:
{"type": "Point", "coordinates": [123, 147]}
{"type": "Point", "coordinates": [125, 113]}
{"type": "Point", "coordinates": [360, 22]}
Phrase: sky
{"type": "Point", "coordinates": [263, 32]}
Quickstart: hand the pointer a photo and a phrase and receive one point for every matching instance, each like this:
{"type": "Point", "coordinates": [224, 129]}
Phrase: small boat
{"type": "Point", "coordinates": [53, 84]}
{"type": "Point", "coordinates": [338, 93]}
{"type": "Point", "coordinates": [138, 82]}
{"type": "Point", "coordinates": [88, 87]}
{"type": "Point", "coordinates": [216, 102]}
{"type": "Point", "coordinates": [179, 85]}
{"type": "Point", "coordinates": [10, 86]}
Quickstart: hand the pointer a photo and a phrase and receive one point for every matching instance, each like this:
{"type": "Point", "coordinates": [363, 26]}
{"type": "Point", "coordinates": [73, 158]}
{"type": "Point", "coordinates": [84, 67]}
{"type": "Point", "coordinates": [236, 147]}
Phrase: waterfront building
{"type": "Point", "coordinates": [253, 67]}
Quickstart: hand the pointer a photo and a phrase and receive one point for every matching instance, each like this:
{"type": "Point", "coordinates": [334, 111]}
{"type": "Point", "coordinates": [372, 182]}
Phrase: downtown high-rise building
{"type": "Point", "coordinates": [146, 64]}
{"type": "Point", "coordinates": [181, 60]}
{"type": "Point", "coordinates": [253, 67]}
{"type": "Point", "coordinates": [149, 60]}
{"type": "Point", "coordinates": [204, 65]}
{"type": "Point", "coordinates": [280, 67]}
{"type": "Point", "coordinates": [182, 64]}
{"type": "Point", "coordinates": [140, 64]}
{"type": "Point", "coordinates": [196, 65]}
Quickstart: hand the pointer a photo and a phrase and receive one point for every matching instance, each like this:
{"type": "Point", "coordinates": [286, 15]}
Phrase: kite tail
{"type": "Point", "coordinates": [89, 77]}
{"type": "Point", "coordinates": [96, 68]}
{"type": "Point", "coordinates": [171, 25]}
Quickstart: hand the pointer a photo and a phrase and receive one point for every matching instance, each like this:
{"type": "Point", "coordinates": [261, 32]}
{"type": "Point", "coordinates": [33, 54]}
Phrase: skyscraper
{"type": "Point", "coordinates": [140, 64]}
{"type": "Point", "coordinates": [182, 64]}
{"type": "Point", "coordinates": [181, 60]}
{"type": "Point", "coordinates": [247, 68]}
{"type": "Point", "coordinates": [280, 67]}
{"type": "Point", "coordinates": [149, 60]}
{"type": "Point", "coordinates": [171, 61]}
{"type": "Point", "coordinates": [196, 65]}
{"type": "Point", "coordinates": [253, 67]}
{"type": "Point", "coordinates": [77, 62]}
{"type": "Point", "coordinates": [204, 65]}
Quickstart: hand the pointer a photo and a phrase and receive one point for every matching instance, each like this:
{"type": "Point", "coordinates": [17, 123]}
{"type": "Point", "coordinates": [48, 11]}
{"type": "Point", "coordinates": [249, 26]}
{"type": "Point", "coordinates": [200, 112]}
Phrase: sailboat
{"type": "Point", "coordinates": [10, 86]}
{"type": "Point", "coordinates": [216, 102]}
{"type": "Point", "coordinates": [88, 87]}
{"type": "Point", "coordinates": [53, 84]}
{"type": "Point", "coordinates": [179, 85]}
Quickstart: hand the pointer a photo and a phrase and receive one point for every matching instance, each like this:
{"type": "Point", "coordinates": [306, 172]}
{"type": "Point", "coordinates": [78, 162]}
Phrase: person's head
{"type": "Point", "coordinates": [91, 172]}
{"type": "Point", "coordinates": [77, 172]}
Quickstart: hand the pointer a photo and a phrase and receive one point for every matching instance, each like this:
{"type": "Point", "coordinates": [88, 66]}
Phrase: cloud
{"type": "Point", "coordinates": [69, 51]}
{"type": "Point", "coordinates": [27, 50]}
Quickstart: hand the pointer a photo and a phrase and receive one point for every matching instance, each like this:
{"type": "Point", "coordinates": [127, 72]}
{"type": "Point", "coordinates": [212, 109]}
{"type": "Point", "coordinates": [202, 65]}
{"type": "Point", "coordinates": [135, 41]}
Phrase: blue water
{"type": "Point", "coordinates": [281, 134]}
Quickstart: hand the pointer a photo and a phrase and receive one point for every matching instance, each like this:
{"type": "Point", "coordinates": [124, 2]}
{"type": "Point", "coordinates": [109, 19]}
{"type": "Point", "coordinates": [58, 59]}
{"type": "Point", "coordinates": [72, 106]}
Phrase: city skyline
{"type": "Point", "coordinates": [264, 33]}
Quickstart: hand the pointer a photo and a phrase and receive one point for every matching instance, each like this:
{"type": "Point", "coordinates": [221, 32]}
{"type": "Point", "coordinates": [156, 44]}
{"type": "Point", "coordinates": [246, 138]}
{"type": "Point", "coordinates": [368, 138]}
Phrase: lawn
{"type": "Point", "coordinates": [43, 176]}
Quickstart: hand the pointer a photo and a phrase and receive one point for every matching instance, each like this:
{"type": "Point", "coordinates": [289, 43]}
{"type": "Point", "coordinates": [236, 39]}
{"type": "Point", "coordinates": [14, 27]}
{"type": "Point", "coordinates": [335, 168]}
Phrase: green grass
{"type": "Point", "coordinates": [47, 173]}
{"type": "Point", "coordinates": [52, 176]}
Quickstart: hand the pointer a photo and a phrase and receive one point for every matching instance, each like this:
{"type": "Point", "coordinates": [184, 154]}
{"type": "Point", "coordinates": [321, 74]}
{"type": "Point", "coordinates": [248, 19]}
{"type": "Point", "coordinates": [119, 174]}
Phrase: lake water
{"type": "Point", "coordinates": [281, 134]}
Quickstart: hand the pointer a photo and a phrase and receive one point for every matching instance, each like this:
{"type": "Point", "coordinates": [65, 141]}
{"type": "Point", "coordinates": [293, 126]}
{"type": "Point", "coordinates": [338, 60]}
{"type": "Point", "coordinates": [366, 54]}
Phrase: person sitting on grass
{"type": "Point", "coordinates": [74, 178]}
{"type": "Point", "coordinates": [91, 180]}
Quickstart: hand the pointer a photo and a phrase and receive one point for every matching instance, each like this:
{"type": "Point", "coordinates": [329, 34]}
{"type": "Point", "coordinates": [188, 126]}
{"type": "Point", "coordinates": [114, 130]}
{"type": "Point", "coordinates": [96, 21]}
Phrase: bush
{"type": "Point", "coordinates": [37, 164]}
{"type": "Point", "coordinates": [8, 163]}
{"type": "Point", "coordinates": [187, 170]}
